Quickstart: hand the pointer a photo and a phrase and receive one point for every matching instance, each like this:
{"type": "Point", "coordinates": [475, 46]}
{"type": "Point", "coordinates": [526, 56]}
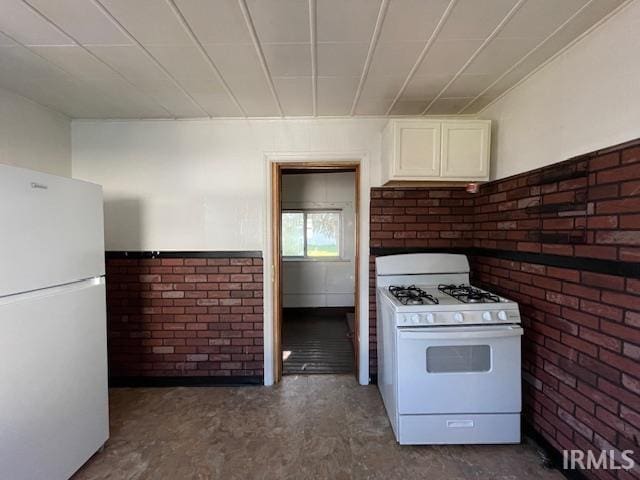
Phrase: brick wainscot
{"type": "Point", "coordinates": [185, 318]}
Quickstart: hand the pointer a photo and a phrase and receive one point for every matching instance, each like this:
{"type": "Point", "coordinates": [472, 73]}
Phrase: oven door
{"type": "Point", "coordinates": [459, 370]}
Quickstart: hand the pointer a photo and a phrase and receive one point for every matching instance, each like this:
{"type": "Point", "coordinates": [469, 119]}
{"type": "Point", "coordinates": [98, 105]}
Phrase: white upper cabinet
{"type": "Point", "coordinates": [465, 149]}
{"type": "Point", "coordinates": [417, 149]}
{"type": "Point", "coordinates": [436, 150]}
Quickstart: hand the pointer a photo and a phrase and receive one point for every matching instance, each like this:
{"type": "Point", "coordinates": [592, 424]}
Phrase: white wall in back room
{"type": "Point", "coordinates": [585, 99]}
{"type": "Point", "coordinates": [322, 282]}
{"type": "Point", "coordinates": [33, 136]}
{"type": "Point", "coordinates": [200, 185]}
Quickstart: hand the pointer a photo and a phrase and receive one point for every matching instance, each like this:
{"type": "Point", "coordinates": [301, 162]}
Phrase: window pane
{"type": "Point", "coordinates": [458, 359]}
{"type": "Point", "coordinates": [322, 234]}
{"type": "Point", "coordinates": [293, 234]}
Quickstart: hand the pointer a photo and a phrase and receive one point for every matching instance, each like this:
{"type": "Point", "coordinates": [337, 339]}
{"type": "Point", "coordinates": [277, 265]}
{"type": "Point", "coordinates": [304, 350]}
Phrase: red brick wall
{"type": "Point", "coordinates": [185, 317]}
{"type": "Point", "coordinates": [415, 218]}
{"type": "Point", "coordinates": [581, 350]}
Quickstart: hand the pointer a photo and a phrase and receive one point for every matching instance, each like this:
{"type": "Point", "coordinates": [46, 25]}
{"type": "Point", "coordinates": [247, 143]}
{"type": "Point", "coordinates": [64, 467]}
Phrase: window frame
{"type": "Point", "coordinates": [305, 212]}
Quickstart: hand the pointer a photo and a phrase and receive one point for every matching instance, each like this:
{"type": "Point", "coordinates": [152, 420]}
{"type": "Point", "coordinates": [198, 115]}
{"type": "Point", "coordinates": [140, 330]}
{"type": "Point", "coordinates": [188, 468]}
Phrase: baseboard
{"type": "Point", "coordinates": [136, 382]}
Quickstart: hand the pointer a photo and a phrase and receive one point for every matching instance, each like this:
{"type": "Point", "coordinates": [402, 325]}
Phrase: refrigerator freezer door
{"type": "Point", "coordinates": [51, 230]}
{"type": "Point", "coordinates": [53, 381]}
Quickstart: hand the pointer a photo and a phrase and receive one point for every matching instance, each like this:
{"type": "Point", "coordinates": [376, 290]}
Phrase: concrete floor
{"type": "Point", "coordinates": [307, 427]}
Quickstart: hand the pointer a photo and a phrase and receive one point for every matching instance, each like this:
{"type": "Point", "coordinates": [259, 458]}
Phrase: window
{"type": "Point", "coordinates": [311, 233]}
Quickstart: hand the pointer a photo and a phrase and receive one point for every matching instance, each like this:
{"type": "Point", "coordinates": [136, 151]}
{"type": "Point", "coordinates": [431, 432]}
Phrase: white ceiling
{"type": "Point", "coordinates": [257, 58]}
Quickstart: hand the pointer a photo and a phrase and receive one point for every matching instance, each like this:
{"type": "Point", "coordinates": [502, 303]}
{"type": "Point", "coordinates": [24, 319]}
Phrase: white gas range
{"type": "Point", "coordinates": [448, 353]}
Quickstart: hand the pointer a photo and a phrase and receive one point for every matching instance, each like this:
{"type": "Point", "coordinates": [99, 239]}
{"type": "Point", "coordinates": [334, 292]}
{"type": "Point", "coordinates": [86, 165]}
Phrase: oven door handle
{"type": "Point", "coordinates": [451, 334]}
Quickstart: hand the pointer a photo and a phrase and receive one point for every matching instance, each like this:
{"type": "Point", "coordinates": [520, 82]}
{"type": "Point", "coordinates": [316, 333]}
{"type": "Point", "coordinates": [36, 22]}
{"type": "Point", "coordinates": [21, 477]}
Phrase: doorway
{"type": "Point", "coordinates": [315, 222]}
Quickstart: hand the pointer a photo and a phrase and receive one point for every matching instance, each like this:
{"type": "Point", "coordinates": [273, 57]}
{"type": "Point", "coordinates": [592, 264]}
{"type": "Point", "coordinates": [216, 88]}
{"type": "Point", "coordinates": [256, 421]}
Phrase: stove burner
{"type": "Point", "coordinates": [468, 294]}
{"type": "Point", "coordinates": [412, 295]}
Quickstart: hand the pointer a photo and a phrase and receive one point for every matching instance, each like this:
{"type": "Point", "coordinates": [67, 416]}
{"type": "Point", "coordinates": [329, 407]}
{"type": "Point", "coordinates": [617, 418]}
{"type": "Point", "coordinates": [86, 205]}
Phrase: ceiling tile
{"type": "Point", "coordinates": [372, 106]}
{"type": "Point", "coordinates": [540, 18]}
{"type": "Point", "coordinates": [163, 29]}
{"type": "Point", "coordinates": [411, 20]}
{"type": "Point", "coordinates": [220, 21]}
{"type": "Point", "coordinates": [336, 94]}
{"type": "Point", "coordinates": [468, 85]}
{"type": "Point", "coordinates": [6, 41]}
{"type": "Point", "coordinates": [395, 58]}
{"type": "Point", "coordinates": [27, 27]}
{"type": "Point", "coordinates": [447, 56]}
{"type": "Point", "coordinates": [216, 104]}
{"type": "Point", "coordinates": [254, 95]}
{"type": "Point", "coordinates": [470, 20]}
{"type": "Point", "coordinates": [592, 14]}
{"type": "Point", "coordinates": [425, 86]}
{"type": "Point", "coordinates": [280, 21]}
{"type": "Point", "coordinates": [74, 60]}
{"type": "Point", "coordinates": [500, 54]}
{"type": "Point", "coordinates": [235, 60]}
{"type": "Point", "coordinates": [478, 104]}
{"type": "Point", "coordinates": [28, 74]}
{"type": "Point", "coordinates": [94, 27]}
{"type": "Point", "coordinates": [24, 63]}
{"type": "Point", "coordinates": [382, 86]}
{"type": "Point", "coordinates": [88, 88]}
{"type": "Point", "coordinates": [193, 73]}
{"type": "Point", "coordinates": [346, 21]}
{"type": "Point", "coordinates": [288, 59]}
{"type": "Point", "coordinates": [341, 59]}
{"type": "Point", "coordinates": [295, 94]}
{"type": "Point", "coordinates": [448, 106]}
{"type": "Point", "coordinates": [183, 61]}
{"type": "Point", "coordinates": [582, 22]}
{"type": "Point", "coordinates": [131, 62]}
{"type": "Point", "coordinates": [409, 107]}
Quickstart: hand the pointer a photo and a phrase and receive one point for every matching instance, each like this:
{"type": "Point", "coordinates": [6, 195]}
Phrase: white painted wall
{"type": "Point", "coordinates": [585, 99]}
{"type": "Point", "coordinates": [34, 137]}
{"type": "Point", "coordinates": [321, 282]}
{"type": "Point", "coordinates": [199, 185]}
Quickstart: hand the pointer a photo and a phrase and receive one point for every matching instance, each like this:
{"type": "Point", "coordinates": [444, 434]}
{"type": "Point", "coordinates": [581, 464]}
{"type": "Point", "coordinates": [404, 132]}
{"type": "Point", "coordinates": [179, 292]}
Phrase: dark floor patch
{"type": "Point", "coordinates": [314, 342]}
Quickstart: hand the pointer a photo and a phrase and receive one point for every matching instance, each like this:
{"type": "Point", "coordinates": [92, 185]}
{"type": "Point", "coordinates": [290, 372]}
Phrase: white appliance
{"type": "Point", "coordinates": [448, 353]}
{"type": "Point", "coordinates": [53, 348]}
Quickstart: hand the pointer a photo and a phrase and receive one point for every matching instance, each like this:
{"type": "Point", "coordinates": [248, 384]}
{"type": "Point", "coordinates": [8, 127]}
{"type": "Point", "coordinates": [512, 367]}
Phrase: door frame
{"type": "Point", "coordinates": [275, 163]}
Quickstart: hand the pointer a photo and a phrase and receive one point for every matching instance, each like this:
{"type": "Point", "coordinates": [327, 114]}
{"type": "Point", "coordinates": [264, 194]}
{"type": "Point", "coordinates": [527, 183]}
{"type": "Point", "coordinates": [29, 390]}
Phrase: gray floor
{"type": "Point", "coordinates": [316, 342]}
{"type": "Point", "coordinates": [308, 427]}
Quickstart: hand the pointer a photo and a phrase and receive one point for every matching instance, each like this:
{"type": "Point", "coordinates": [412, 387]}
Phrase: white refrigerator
{"type": "Point", "coordinates": [53, 346]}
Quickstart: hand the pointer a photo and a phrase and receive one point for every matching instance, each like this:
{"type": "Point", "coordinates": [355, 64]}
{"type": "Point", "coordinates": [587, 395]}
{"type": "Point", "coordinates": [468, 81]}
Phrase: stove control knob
{"type": "Point", "coordinates": [431, 318]}
{"type": "Point", "coordinates": [415, 318]}
{"type": "Point", "coordinates": [502, 315]}
{"type": "Point", "coordinates": [458, 317]}
{"type": "Point", "coordinates": [486, 316]}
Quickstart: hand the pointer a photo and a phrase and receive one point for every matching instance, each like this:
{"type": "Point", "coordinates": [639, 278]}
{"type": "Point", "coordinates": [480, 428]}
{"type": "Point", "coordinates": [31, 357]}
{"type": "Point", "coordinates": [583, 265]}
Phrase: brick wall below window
{"type": "Point", "coordinates": [195, 317]}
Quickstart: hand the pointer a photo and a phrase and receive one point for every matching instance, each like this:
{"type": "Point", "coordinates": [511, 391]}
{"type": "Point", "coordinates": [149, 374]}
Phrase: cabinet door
{"type": "Point", "coordinates": [465, 150]}
{"type": "Point", "coordinates": [417, 149]}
